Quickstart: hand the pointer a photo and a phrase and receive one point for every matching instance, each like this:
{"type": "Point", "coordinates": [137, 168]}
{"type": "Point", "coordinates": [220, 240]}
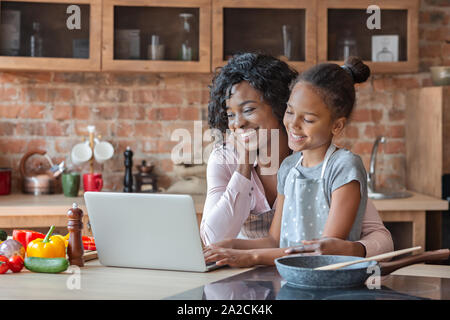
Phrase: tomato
{"type": "Point", "coordinates": [4, 264]}
{"type": "Point", "coordinates": [15, 263]}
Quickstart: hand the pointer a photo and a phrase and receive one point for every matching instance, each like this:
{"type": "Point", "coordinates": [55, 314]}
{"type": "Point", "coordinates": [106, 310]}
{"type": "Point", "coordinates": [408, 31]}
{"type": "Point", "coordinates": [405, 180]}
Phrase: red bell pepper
{"type": "Point", "coordinates": [4, 264]}
{"type": "Point", "coordinates": [26, 236]}
{"type": "Point", "coordinates": [89, 243]}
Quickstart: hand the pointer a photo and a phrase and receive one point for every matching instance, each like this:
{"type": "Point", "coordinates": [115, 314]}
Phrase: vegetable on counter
{"type": "Point", "coordinates": [49, 247]}
{"type": "Point", "coordinates": [88, 243]}
{"type": "Point", "coordinates": [64, 238]}
{"type": "Point", "coordinates": [26, 236]}
{"type": "Point", "coordinates": [11, 247]}
{"type": "Point", "coordinates": [3, 235]}
{"type": "Point", "coordinates": [46, 265]}
{"type": "Point", "coordinates": [4, 266]}
{"type": "Point", "coordinates": [15, 263]}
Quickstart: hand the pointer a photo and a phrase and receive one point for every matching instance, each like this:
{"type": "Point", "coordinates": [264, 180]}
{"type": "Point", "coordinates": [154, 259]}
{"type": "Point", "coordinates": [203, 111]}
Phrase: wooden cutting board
{"type": "Point", "coordinates": [90, 255]}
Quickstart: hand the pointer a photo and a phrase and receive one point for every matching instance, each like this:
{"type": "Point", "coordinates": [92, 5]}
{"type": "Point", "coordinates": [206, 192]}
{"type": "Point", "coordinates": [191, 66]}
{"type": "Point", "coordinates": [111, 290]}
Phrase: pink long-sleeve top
{"type": "Point", "coordinates": [237, 207]}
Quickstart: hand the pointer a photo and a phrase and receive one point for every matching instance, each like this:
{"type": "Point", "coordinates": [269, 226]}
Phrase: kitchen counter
{"type": "Point", "coordinates": [99, 282]}
{"type": "Point", "coordinates": [28, 211]}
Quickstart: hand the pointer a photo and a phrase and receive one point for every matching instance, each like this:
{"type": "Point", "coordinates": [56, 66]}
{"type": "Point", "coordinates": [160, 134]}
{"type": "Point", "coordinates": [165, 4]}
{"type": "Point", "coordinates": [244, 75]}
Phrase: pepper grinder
{"type": "Point", "coordinates": [75, 248]}
{"type": "Point", "coordinates": [128, 179]}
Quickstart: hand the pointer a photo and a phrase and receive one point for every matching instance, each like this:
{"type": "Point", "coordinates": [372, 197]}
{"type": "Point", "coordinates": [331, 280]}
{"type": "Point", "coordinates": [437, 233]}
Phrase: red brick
{"type": "Point", "coordinates": [430, 51]}
{"type": "Point", "coordinates": [56, 129]}
{"type": "Point", "coordinates": [104, 113]}
{"type": "Point", "coordinates": [131, 112]}
{"type": "Point", "coordinates": [33, 111]}
{"type": "Point", "coordinates": [373, 131]}
{"type": "Point", "coordinates": [30, 129]}
{"type": "Point", "coordinates": [36, 144]}
{"type": "Point", "coordinates": [81, 112]}
{"type": "Point", "coordinates": [395, 131]}
{"type": "Point", "coordinates": [60, 95]}
{"type": "Point", "coordinates": [396, 114]}
{"type": "Point", "coordinates": [366, 115]}
{"type": "Point", "coordinates": [145, 96]}
{"type": "Point", "coordinates": [362, 148]}
{"type": "Point", "coordinates": [34, 94]}
{"type": "Point", "coordinates": [147, 129]}
{"type": "Point", "coordinates": [62, 112]}
{"type": "Point", "coordinates": [189, 113]}
{"type": "Point", "coordinates": [125, 129]}
{"type": "Point", "coordinates": [8, 94]}
{"type": "Point", "coordinates": [7, 128]}
{"type": "Point", "coordinates": [406, 83]}
{"type": "Point", "coordinates": [170, 96]}
{"type": "Point", "coordinates": [95, 94]}
{"type": "Point", "coordinates": [11, 111]}
{"type": "Point", "coordinates": [170, 113]}
{"type": "Point", "coordinates": [12, 145]}
{"type": "Point", "coordinates": [351, 132]}
{"type": "Point", "coordinates": [382, 84]}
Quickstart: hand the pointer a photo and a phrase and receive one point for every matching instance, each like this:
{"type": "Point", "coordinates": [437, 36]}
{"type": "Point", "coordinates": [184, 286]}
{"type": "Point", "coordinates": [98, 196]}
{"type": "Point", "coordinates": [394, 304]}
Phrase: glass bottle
{"type": "Point", "coordinates": [385, 55]}
{"type": "Point", "coordinates": [347, 46]}
{"type": "Point", "coordinates": [186, 50]}
{"type": "Point", "coordinates": [36, 41]}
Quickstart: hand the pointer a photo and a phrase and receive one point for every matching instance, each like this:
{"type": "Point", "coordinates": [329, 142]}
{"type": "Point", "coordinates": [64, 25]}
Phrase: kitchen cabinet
{"type": "Point", "coordinates": [58, 35]}
{"type": "Point", "coordinates": [427, 133]}
{"type": "Point", "coordinates": [284, 29]}
{"type": "Point", "coordinates": [346, 28]}
{"type": "Point", "coordinates": [200, 35]}
{"type": "Point", "coordinates": [156, 35]}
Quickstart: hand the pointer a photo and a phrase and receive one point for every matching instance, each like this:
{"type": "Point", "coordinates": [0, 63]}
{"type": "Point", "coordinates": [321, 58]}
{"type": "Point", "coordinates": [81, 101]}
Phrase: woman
{"type": "Point", "coordinates": [248, 97]}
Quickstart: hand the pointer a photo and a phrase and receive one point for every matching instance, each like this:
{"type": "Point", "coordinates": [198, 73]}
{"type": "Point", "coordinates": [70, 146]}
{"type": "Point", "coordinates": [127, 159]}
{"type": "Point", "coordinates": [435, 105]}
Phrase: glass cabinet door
{"type": "Point", "coordinates": [386, 36]}
{"type": "Point", "coordinates": [50, 35]}
{"type": "Point", "coordinates": [157, 35]}
{"type": "Point", "coordinates": [284, 29]}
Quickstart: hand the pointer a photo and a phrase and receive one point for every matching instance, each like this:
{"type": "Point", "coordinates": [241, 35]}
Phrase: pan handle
{"type": "Point", "coordinates": [391, 266]}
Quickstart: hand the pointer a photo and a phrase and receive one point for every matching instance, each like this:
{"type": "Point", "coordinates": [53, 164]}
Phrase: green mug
{"type": "Point", "coordinates": [71, 184]}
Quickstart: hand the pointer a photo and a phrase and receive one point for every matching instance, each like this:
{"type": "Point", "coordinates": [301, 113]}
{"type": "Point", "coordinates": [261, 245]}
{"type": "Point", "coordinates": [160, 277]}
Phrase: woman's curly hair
{"type": "Point", "coordinates": [268, 75]}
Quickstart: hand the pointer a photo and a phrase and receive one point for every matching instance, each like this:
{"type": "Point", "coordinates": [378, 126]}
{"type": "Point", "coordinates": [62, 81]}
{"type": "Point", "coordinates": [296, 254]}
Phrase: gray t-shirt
{"type": "Point", "coordinates": [342, 168]}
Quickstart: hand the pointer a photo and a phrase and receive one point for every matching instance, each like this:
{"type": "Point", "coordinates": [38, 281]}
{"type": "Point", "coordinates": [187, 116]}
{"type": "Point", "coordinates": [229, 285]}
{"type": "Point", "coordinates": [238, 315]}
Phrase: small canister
{"type": "Point", "coordinates": [5, 181]}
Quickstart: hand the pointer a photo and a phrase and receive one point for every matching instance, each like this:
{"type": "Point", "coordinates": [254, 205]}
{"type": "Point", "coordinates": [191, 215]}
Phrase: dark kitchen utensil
{"type": "Point", "coordinates": [298, 270]}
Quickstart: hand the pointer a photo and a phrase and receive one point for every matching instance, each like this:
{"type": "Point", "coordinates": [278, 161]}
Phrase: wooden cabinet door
{"type": "Point", "coordinates": [54, 35]}
{"type": "Point", "coordinates": [284, 29]}
{"type": "Point", "coordinates": [131, 28]}
{"type": "Point", "coordinates": [343, 27]}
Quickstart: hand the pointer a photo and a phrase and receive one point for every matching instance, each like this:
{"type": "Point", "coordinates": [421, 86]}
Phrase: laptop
{"type": "Point", "coordinates": [142, 230]}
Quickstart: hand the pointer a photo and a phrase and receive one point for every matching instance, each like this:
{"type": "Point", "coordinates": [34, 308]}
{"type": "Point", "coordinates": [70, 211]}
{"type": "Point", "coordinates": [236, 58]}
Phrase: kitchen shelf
{"type": "Point", "coordinates": [342, 27]}
{"type": "Point", "coordinates": [257, 25]}
{"type": "Point", "coordinates": [130, 25]}
{"type": "Point", "coordinates": [63, 48]}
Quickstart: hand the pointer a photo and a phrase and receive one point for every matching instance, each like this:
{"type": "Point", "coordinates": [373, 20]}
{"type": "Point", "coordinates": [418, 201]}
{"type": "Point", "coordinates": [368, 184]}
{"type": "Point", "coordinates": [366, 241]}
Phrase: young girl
{"type": "Point", "coordinates": [322, 191]}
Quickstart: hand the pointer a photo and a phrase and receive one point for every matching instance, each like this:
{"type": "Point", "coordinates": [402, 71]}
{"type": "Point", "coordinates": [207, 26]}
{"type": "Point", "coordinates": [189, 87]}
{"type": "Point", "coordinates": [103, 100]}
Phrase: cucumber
{"type": "Point", "coordinates": [3, 235]}
{"type": "Point", "coordinates": [46, 265]}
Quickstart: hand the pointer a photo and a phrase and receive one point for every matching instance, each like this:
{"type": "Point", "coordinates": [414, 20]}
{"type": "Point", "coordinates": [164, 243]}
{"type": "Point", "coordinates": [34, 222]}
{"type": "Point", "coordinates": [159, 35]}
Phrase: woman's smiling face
{"type": "Point", "coordinates": [248, 113]}
{"type": "Point", "coordinates": [307, 119]}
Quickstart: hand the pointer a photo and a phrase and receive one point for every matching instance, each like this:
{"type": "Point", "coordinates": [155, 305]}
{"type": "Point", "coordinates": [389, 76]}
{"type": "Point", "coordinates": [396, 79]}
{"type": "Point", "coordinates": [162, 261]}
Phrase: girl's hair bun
{"type": "Point", "coordinates": [359, 70]}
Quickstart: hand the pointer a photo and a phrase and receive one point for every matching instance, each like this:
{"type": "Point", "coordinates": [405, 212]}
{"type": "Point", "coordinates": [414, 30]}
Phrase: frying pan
{"type": "Point", "coordinates": [298, 270]}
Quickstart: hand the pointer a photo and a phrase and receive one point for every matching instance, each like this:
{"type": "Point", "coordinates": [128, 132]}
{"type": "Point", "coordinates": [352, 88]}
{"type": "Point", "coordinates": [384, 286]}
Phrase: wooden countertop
{"type": "Point", "coordinates": [99, 282]}
{"type": "Point", "coordinates": [58, 204]}
{"type": "Point", "coordinates": [418, 202]}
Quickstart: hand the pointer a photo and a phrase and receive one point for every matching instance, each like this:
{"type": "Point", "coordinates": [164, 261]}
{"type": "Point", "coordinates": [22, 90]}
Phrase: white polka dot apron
{"type": "Point", "coordinates": [306, 206]}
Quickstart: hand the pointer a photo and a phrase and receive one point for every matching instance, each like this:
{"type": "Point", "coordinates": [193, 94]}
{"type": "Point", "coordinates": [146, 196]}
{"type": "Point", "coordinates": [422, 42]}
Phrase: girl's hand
{"type": "Point", "coordinates": [231, 257]}
{"type": "Point", "coordinates": [329, 246]}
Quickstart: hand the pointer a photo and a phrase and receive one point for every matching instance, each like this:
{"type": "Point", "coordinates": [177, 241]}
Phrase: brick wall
{"type": "Point", "coordinates": [51, 111]}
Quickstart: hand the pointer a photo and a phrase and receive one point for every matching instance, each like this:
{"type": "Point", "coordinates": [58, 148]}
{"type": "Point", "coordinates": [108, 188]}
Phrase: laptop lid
{"type": "Point", "coordinates": [138, 230]}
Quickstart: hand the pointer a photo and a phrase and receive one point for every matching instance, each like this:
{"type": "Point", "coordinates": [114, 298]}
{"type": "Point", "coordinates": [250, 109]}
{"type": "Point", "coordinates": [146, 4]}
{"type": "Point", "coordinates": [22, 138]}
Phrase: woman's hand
{"type": "Point", "coordinates": [329, 246]}
{"type": "Point", "coordinates": [231, 257]}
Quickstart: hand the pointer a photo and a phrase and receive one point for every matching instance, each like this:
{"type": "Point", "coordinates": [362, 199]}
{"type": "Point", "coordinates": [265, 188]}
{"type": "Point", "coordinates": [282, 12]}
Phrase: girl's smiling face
{"type": "Point", "coordinates": [248, 113]}
{"type": "Point", "coordinates": [308, 120]}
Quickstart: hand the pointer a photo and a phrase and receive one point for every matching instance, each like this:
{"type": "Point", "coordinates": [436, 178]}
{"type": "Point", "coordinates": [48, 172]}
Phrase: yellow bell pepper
{"type": "Point", "coordinates": [64, 238]}
{"type": "Point", "coordinates": [49, 247]}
